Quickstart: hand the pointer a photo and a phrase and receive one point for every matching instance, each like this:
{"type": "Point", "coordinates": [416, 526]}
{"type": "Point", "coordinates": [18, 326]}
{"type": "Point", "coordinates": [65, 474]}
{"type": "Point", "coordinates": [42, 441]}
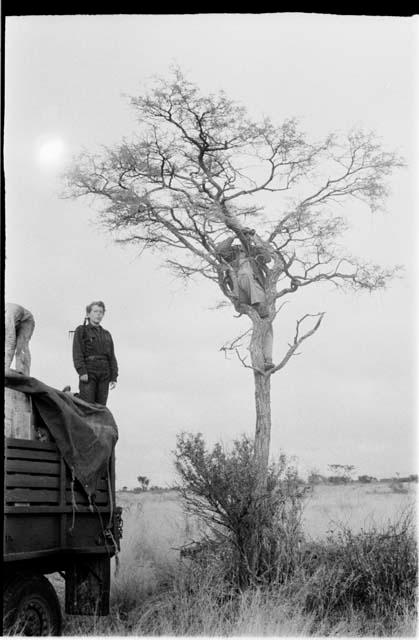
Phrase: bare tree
{"type": "Point", "coordinates": [201, 178]}
{"type": "Point", "coordinates": [342, 472]}
{"type": "Point", "coordinates": [143, 481]}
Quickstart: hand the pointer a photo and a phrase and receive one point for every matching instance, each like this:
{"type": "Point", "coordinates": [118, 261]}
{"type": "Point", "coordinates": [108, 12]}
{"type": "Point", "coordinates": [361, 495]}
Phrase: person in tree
{"type": "Point", "coordinates": [19, 327]}
{"type": "Point", "coordinates": [245, 276]}
{"type": "Point", "coordinates": [94, 356]}
{"type": "Point", "coordinates": [246, 279]}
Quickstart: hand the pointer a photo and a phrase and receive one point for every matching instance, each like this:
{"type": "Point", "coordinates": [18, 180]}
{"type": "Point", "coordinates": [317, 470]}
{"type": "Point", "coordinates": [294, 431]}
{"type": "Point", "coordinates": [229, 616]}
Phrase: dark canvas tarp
{"type": "Point", "coordinates": [84, 433]}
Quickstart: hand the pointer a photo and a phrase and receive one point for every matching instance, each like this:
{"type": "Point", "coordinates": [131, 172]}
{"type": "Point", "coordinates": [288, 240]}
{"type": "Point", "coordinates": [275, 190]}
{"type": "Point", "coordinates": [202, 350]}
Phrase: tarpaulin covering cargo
{"type": "Point", "coordinates": [84, 433]}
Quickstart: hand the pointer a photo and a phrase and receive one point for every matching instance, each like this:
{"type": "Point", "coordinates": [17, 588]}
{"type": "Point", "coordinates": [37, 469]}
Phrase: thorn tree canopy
{"type": "Point", "coordinates": [205, 182]}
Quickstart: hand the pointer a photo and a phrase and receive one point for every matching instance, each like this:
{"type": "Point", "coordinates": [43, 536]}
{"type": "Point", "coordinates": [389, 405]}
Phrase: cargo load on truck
{"type": "Point", "coordinates": [84, 433]}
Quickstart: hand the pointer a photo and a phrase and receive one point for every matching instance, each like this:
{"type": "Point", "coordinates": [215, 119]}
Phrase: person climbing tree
{"type": "Point", "coordinates": [245, 278]}
{"type": "Point", "coordinates": [94, 356]}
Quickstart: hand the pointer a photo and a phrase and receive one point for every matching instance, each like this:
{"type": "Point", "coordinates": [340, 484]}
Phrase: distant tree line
{"type": "Point", "coordinates": [341, 474]}
{"type": "Point", "coordinates": [144, 485]}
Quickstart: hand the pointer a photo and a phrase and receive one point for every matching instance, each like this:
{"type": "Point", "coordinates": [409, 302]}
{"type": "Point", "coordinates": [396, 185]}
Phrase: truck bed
{"type": "Point", "coordinates": [43, 516]}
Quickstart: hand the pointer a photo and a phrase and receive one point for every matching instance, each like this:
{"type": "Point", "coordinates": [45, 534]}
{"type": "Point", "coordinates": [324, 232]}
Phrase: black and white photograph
{"type": "Point", "coordinates": [210, 356]}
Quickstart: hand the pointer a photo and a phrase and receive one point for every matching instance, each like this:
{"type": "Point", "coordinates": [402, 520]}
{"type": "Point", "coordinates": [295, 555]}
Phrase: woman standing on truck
{"type": "Point", "coordinates": [94, 356]}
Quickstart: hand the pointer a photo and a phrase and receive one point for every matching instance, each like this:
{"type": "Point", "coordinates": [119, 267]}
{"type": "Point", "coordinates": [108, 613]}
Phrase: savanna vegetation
{"type": "Point", "coordinates": [334, 560]}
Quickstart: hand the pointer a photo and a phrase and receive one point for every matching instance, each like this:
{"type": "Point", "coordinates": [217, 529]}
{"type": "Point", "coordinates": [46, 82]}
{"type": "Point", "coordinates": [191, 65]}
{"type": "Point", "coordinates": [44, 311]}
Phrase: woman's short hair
{"type": "Point", "coordinates": [97, 303]}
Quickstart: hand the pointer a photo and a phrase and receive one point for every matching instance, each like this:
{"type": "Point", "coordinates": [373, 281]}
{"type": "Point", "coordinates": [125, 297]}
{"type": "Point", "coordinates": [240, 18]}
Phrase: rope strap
{"type": "Point", "coordinates": [73, 500]}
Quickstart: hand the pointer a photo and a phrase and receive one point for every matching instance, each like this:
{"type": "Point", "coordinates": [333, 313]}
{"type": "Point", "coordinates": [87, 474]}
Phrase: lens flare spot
{"type": "Point", "coordinates": [52, 153]}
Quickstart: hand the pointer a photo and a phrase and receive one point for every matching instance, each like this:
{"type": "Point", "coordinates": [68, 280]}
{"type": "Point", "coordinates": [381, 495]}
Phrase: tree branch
{"type": "Point", "coordinates": [232, 345]}
{"type": "Point", "coordinates": [298, 339]}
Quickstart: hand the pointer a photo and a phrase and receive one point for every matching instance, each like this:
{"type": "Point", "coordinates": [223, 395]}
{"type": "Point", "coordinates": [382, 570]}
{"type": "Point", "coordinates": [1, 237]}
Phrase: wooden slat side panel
{"type": "Point", "coordinates": [102, 478]}
{"type": "Point", "coordinates": [33, 496]}
{"type": "Point", "coordinates": [31, 482]}
{"type": "Point", "coordinates": [101, 497]}
{"type": "Point", "coordinates": [32, 454]}
{"type": "Point", "coordinates": [79, 496]}
{"type": "Point", "coordinates": [21, 443]}
{"type": "Point", "coordinates": [31, 466]}
{"type": "Point", "coordinates": [102, 484]}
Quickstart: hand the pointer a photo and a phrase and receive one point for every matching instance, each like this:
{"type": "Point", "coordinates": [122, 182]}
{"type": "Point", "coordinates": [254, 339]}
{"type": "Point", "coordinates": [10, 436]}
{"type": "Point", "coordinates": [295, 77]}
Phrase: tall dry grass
{"type": "Point", "coordinates": [157, 593]}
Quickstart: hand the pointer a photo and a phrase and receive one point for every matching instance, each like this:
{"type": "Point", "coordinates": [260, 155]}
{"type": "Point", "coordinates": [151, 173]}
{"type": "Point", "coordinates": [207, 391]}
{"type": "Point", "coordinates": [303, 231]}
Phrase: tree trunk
{"type": "Point", "coordinates": [263, 427]}
{"type": "Point", "coordinates": [260, 351]}
{"type": "Point", "coordinates": [259, 355]}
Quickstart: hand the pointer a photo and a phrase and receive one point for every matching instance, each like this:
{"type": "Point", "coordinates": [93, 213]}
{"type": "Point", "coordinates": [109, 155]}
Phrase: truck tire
{"type": "Point", "coordinates": [31, 607]}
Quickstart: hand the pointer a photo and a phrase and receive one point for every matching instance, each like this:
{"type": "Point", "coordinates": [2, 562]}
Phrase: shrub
{"type": "Point", "coordinates": [338, 479]}
{"type": "Point", "coordinates": [257, 535]}
{"type": "Point", "coordinates": [374, 571]}
{"type": "Point", "coordinates": [396, 486]}
{"type": "Point", "coordinates": [366, 479]}
{"type": "Point", "coordinates": [316, 478]}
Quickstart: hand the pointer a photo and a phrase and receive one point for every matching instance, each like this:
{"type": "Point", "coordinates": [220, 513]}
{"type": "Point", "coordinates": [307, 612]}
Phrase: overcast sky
{"type": "Point", "coordinates": [350, 397]}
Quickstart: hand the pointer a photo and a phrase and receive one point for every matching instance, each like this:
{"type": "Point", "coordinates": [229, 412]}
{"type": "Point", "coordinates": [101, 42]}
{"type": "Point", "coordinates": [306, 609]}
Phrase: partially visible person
{"type": "Point", "coordinates": [19, 327]}
{"type": "Point", "coordinates": [94, 356]}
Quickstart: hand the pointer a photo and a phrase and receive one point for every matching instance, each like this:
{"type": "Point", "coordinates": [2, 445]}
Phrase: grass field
{"type": "Point", "coordinates": [155, 527]}
{"type": "Point", "coordinates": [359, 506]}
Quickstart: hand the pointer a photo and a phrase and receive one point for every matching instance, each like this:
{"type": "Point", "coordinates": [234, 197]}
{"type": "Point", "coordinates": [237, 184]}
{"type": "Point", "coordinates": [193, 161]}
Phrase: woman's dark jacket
{"type": "Point", "coordinates": [90, 340]}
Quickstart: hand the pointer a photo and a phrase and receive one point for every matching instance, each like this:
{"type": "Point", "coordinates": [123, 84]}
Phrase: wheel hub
{"type": "Point", "coordinates": [34, 618]}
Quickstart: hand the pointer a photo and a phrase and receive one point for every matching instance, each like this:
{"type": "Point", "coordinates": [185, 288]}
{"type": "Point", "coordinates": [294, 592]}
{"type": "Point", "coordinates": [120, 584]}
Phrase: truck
{"type": "Point", "coordinates": [52, 526]}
